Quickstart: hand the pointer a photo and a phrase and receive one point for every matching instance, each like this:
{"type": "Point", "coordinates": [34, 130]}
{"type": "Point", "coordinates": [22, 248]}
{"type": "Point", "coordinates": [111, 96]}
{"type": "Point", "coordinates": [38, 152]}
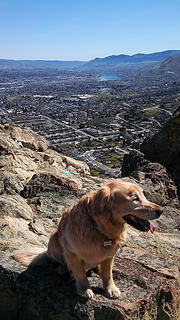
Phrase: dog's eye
{"type": "Point", "coordinates": [135, 197]}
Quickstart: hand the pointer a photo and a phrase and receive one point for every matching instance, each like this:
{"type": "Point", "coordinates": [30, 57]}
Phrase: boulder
{"type": "Point", "coordinates": [153, 178]}
{"type": "Point", "coordinates": [9, 183]}
{"type": "Point", "coordinates": [19, 226]}
{"type": "Point", "coordinates": [28, 139]}
{"type": "Point", "coordinates": [51, 204]}
{"type": "Point", "coordinates": [149, 290]}
{"type": "Point", "coordinates": [22, 157]}
{"type": "Point", "coordinates": [45, 182]}
{"type": "Point", "coordinates": [16, 218]}
{"type": "Point", "coordinates": [16, 206]}
{"type": "Point", "coordinates": [164, 147]}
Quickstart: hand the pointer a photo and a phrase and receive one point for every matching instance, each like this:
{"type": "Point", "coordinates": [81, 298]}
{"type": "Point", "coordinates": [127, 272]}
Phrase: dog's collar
{"type": "Point", "coordinates": [107, 241]}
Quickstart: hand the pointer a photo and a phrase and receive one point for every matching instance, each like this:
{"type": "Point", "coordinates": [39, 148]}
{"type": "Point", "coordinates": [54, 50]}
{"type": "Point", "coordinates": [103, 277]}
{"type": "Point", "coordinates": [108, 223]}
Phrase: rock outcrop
{"type": "Point", "coordinates": [36, 184]}
{"type": "Point", "coordinates": [149, 290]}
{"type": "Point", "coordinates": [24, 155]}
{"type": "Point", "coordinates": [153, 177]}
{"type": "Point", "coordinates": [164, 147]}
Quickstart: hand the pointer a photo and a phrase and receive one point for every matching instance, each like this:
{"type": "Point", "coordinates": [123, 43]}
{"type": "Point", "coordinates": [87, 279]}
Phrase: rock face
{"type": "Point", "coordinates": [28, 139]}
{"type": "Point", "coordinates": [153, 177]}
{"type": "Point", "coordinates": [36, 184]}
{"type": "Point", "coordinates": [164, 147]}
{"type": "Point", "coordinates": [149, 290]}
{"type": "Point", "coordinates": [23, 155]}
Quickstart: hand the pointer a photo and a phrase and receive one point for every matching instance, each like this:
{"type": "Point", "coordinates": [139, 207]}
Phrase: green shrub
{"type": "Point", "coordinates": [62, 193]}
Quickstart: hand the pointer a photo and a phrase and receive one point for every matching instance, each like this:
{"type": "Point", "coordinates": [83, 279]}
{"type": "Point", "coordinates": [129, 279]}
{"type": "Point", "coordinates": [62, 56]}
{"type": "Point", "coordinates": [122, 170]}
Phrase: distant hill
{"type": "Point", "coordinates": [57, 64]}
{"type": "Point", "coordinates": [169, 67]}
{"type": "Point", "coordinates": [115, 64]}
{"type": "Point", "coordinates": [126, 64]}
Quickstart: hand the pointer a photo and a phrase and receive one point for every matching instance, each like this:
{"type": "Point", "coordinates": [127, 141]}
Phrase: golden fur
{"type": "Point", "coordinates": [96, 217]}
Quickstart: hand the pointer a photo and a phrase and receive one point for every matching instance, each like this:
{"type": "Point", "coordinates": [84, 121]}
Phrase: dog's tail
{"type": "Point", "coordinates": [31, 257]}
{"type": "Point", "coordinates": [35, 257]}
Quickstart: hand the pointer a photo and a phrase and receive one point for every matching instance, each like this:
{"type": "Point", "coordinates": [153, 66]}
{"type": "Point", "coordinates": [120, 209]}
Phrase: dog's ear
{"type": "Point", "coordinates": [101, 200]}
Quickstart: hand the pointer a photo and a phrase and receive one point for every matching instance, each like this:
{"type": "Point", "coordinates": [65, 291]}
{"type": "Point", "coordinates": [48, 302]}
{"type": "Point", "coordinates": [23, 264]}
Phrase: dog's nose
{"type": "Point", "coordinates": [159, 212]}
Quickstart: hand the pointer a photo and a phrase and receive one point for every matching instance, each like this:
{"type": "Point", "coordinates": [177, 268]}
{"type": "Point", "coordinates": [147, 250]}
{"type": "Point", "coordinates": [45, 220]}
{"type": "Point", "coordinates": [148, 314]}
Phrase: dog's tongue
{"type": "Point", "coordinates": [152, 227]}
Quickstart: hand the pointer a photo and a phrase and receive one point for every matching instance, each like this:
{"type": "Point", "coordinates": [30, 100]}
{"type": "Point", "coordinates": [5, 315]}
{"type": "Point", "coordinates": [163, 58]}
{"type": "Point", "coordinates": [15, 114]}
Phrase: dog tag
{"type": "Point", "coordinates": [107, 243]}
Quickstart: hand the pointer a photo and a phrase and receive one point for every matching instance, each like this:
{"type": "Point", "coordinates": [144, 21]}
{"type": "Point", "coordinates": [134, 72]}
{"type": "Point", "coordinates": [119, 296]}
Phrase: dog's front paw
{"type": "Point", "coordinates": [113, 292]}
{"type": "Point", "coordinates": [83, 289]}
{"type": "Point", "coordinates": [87, 293]}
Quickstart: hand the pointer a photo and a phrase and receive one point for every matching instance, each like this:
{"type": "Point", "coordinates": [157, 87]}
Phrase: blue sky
{"type": "Point", "coordinates": [85, 29]}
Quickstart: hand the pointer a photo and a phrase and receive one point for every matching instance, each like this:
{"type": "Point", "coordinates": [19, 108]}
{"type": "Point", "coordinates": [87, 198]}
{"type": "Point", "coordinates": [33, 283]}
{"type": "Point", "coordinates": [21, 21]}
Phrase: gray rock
{"type": "Point", "coordinates": [9, 183]}
{"type": "Point", "coordinates": [148, 291]}
{"type": "Point", "coordinates": [164, 147]}
{"type": "Point", "coordinates": [153, 177]}
{"type": "Point", "coordinates": [35, 186]}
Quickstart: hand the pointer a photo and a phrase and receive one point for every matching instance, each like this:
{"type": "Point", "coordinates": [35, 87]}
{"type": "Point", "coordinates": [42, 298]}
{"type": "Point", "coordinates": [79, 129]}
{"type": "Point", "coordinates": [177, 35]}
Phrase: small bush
{"type": "Point", "coordinates": [62, 193]}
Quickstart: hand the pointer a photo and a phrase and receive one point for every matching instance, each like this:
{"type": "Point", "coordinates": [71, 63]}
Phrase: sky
{"type": "Point", "coordinates": [86, 29]}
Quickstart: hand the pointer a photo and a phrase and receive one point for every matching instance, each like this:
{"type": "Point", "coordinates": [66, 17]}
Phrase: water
{"type": "Point", "coordinates": [107, 77]}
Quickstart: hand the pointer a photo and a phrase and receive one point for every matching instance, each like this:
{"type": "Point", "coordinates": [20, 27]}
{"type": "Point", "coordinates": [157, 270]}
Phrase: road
{"type": "Point", "coordinates": [89, 157]}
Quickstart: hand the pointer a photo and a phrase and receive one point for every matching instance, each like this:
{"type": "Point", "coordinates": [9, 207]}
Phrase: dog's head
{"type": "Point", "coordinates": [126, 202]}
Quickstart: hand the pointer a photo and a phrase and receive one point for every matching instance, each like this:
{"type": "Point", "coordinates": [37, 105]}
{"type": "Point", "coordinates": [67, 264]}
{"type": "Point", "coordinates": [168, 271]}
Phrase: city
{"type": "Point", "coordinates": [83, 117]}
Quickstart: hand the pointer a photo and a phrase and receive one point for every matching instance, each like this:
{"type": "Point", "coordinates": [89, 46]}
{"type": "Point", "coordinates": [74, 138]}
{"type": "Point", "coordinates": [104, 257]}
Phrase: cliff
{"type": "Point", "coordinates": [164, 147]}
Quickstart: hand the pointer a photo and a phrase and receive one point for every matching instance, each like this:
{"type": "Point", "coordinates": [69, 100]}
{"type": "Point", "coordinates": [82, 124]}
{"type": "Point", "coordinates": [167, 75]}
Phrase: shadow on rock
{"type": "Point", "coordinates": [147, 291]}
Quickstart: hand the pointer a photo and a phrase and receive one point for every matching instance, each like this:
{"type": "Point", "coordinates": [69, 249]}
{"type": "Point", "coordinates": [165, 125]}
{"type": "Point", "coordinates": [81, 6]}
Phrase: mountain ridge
{"type": "Point", "coordinates": [169, 67]}
{"type": "Point", "coordinates": [58, 64]}
{"type": "Point", "coordinates": [114, 63]}
{"type": "Point", "coordinates": [138, 56]}
{"type": "Point", "coordinates": [125, 63]}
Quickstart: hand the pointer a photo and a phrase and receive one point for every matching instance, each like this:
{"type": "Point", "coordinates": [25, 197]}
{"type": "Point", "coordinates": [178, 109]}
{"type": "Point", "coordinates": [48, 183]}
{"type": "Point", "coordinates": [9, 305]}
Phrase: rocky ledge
{"type": "Point", "coordinates": [36, 184]}
{"type": "Point", "coordinates": [149, 290]}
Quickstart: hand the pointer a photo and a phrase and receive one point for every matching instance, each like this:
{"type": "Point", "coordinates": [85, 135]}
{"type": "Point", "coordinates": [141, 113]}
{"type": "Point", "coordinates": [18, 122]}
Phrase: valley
{"type": "Point", "coordinates": [124, 128]}
{"type": "Point", "coordinates": [87, 119]}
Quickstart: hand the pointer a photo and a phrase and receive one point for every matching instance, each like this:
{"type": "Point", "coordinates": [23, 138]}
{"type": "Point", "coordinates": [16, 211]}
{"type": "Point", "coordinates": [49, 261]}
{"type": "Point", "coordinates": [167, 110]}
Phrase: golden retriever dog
{"type": "Point", "coordinates": [92, 230]}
